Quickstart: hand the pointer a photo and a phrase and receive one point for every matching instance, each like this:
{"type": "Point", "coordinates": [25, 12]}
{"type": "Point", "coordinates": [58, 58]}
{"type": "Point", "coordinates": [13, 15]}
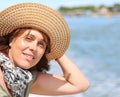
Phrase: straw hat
{"type": "Point", "coordinates": [39, 17]}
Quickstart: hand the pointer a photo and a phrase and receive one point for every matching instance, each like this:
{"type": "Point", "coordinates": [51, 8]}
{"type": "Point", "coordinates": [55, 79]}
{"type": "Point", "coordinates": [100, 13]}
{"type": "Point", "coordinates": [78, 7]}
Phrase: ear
{"type": "Point", "coordinates": [10, 44]}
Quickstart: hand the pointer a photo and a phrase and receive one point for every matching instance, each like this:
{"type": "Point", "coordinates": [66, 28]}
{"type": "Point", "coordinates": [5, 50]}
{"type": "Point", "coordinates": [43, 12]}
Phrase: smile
{"type": "Point", "coordinates": [29, 57]}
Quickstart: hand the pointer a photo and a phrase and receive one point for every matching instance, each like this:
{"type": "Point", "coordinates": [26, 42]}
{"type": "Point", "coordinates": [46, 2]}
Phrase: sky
{"type": "Point", "coordinates": [55, 4]}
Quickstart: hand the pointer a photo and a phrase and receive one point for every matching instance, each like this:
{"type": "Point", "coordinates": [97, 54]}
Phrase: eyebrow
{"type": "Point", "coordinates": [44, 38]}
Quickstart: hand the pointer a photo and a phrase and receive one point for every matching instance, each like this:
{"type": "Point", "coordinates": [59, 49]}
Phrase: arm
{"type": "Point", "coordinates": [72, 82]}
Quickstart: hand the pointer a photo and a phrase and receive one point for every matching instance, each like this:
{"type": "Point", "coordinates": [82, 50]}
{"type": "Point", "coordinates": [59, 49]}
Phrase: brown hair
{"type": "Point", "coordinates": [42, 65]}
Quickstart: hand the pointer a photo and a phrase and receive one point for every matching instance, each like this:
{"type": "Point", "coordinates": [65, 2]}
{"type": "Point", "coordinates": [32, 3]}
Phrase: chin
{"type": "Point", "coordinates": [25, 66]}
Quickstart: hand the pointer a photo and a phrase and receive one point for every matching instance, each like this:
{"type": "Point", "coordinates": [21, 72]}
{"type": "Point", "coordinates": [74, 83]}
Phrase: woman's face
{"type": "Point", "coordinates": [27, 48]}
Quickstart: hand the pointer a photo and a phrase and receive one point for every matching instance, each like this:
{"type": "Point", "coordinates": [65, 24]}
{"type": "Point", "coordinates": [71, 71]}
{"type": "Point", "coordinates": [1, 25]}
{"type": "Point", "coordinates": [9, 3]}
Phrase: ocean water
{"type": "Point", "coordinates": [95, 48]}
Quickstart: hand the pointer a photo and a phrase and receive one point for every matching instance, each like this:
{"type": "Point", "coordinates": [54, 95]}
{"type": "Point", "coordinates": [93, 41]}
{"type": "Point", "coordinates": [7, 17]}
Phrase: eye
{"type": "Point", "coordinates": [29, 38]}
{"type": "Point", "coordinates": [42, 44]}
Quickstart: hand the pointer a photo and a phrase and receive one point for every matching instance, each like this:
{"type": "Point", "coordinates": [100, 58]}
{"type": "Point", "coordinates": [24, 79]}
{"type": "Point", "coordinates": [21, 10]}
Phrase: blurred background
{"type": "Point", "coordinates": [95, 42]}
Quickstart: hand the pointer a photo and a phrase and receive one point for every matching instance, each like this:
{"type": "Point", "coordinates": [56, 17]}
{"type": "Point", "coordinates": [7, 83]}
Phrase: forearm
{"type": "Point", "coordinates": [72, 74]}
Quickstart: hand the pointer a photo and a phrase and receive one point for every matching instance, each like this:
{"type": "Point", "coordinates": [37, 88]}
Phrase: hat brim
{"type": "Point", "coordinates": [39, 17]}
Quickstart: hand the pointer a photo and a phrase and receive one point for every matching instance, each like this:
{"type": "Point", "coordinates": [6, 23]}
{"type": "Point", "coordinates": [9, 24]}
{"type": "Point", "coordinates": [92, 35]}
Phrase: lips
{"type": "Point", "coordinates": [29, 56]}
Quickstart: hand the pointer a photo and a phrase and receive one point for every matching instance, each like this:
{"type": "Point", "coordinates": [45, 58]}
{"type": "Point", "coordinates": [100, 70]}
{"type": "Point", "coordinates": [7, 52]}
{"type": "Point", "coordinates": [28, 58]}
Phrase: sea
{"type": "Point", "coordinates": [95, 49]}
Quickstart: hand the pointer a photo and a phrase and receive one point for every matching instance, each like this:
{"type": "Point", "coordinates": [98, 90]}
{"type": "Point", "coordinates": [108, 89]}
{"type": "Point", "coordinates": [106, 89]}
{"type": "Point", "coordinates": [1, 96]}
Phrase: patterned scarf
{"type": "Point", "coordinates": [15, 77]}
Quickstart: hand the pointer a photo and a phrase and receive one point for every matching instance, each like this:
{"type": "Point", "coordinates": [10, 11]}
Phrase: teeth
{"type": "Point", "coordinates": [29, 56]}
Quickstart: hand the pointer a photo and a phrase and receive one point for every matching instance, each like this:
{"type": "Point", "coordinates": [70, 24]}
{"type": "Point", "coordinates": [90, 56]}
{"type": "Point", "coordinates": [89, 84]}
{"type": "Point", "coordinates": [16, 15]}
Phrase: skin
{"type": "Point", "coordinates": [72, 82]}
{"type": "Point", "coordinates": [30, 49]}
{"type": "Point", "coordinates": [25, 52]}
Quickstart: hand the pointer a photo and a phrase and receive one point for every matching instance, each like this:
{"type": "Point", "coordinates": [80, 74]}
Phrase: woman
{"type": "Point", "coordinates": [31, 35]}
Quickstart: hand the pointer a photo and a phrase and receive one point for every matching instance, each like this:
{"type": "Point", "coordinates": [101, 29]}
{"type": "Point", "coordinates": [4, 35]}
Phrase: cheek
{"type": "Point", "coordinates": [17, 47]}
{"type": "Point", "coordinates": [40, 53]}
{"type": "Point", "coordinates": [21, 44]}
{"type": "Point", "coordinates": [17, 43]}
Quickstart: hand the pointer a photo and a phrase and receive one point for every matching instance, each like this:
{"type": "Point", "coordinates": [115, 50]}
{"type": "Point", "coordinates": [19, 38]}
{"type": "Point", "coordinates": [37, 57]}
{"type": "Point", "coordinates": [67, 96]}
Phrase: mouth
{"type": "Point", "coordinates": [29, 56]}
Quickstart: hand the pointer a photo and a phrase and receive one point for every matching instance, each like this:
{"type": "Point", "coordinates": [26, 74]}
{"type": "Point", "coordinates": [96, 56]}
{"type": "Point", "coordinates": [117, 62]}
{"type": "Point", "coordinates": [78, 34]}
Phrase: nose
{"type": "Point", "coordinates": [33, 46]}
